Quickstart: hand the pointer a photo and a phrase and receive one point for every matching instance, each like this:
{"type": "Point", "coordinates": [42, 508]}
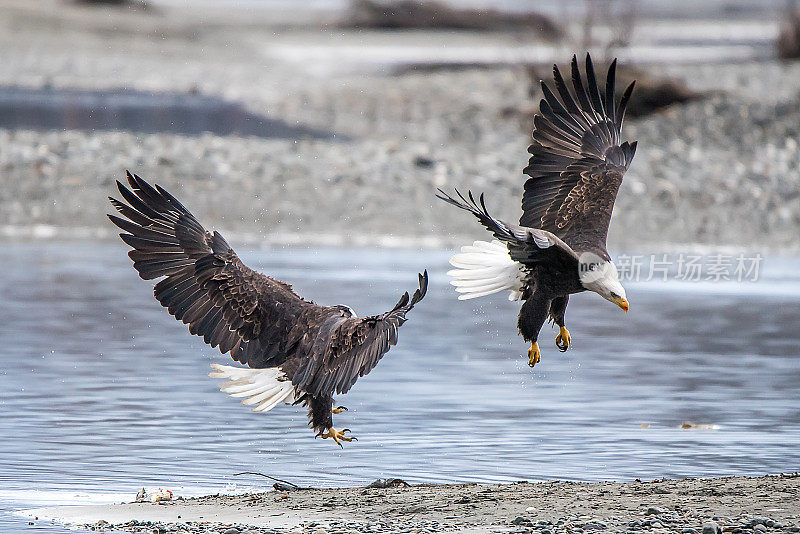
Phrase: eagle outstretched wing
{"type": "Point", "coordinates": [577, 160]}
{"type": "Point", "coordinates": [258, 320]}
{"type": "Point", "coordinates": [525, 245]}
{"type": "Point", "coordinates": [356, 346]}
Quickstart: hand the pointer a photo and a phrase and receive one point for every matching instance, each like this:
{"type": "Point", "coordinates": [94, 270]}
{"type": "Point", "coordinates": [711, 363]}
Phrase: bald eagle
{"type": "Point", "coordinates": [296, 351]}
{"type": "Point", "coordinates": [559, 247]}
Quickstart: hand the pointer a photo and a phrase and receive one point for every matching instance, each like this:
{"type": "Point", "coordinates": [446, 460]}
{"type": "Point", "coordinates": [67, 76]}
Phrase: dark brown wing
{"type": "Point", "coordinates": [257, 319]}
{"type": "Point", "coordinates": [355, 348]}
{"type": "Point", "coordinates": [577, 160]}
{"type": "Point", "coordinates": [525, 245]}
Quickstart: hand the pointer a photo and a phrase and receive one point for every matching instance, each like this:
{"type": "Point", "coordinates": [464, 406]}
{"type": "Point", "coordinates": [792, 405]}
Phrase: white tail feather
{"type": "Point", "coordinates": [484, 268]}
{"type": "Point", "coordinates": [263, 387]}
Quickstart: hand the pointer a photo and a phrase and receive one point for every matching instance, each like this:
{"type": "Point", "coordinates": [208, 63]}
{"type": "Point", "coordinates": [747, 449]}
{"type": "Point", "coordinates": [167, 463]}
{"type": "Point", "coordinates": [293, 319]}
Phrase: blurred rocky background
{"type": "Point", "coordinates": [335, 122]}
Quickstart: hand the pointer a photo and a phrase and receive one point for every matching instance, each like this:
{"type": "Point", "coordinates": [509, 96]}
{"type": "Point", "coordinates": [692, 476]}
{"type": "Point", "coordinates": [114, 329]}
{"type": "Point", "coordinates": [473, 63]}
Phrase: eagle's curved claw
{"type": "Point", "coordinates": [337, 435]}
{"type": "Point", "coordinates": [534, 354]}
{"type": "Point", "coordinates": [563, 339]}
{"type": "Point", "coordinates": [339, 410]}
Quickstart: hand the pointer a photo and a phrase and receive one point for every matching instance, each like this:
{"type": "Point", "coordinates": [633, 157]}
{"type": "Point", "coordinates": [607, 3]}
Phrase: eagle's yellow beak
{"type": "Point", "coordinates": [622, 303]}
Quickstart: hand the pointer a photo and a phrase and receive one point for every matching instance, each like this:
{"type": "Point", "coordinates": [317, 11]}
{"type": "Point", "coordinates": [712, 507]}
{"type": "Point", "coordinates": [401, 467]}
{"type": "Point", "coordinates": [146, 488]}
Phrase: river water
{"type": "Point", "coordinates": [102, 392]}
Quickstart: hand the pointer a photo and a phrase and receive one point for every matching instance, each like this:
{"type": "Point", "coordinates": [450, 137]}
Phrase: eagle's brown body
{"type": "Point", "coordinates": [260, 321]}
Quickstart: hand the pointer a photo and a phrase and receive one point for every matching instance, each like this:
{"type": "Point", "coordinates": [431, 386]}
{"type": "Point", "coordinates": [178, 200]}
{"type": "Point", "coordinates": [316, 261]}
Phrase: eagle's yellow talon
{"type": "Point", "coordinates": [563, 339]}
{"type": "Point", "coordinates": [339, 410]}
{"type": "Point", "coordinates": [534, 354]}
{"type": "Point", "coordinates": [337, 435]}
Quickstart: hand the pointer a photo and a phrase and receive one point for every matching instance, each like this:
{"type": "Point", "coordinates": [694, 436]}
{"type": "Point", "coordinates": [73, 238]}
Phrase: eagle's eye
{"type": "Point", "coordinates": [614, 295]}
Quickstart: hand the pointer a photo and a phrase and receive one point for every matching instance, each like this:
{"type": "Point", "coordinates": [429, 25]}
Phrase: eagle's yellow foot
{"type": "Point", "coordinates": [534, 354]}
{"type": "Point", "coordinates": [563, 340]}
{"type": "Point", "coordinates": [337, 435]}
{"type": "Point", "coordinates": [339, 410]}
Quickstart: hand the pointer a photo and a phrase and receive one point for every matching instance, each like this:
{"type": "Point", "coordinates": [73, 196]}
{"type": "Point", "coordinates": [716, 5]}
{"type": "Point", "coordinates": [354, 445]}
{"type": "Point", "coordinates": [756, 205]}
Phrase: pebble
{"type": "Point", "coordinates": [703, 172]}
{"type": "Point", "coordinates": [711, 527]}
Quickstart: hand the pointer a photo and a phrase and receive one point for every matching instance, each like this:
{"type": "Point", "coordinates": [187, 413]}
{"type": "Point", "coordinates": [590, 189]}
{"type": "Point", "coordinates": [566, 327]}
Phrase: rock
{"type": "Point", "coordinates": [424, 162]}
{"type": "Point", "coordinates": [654, 510]}
{"type": "Point", "coordinates": [711, 527]}
{"type": "Point", "coordinates": [521, 521]}
{"type": "Point", "coordinates": [656, 524]}
{"type": "Point", "coordinates": [595, 525]}
{"type": "Point", "coordinates": [232, 531]}
{"type": "Point", "coordinates": [759, 528]}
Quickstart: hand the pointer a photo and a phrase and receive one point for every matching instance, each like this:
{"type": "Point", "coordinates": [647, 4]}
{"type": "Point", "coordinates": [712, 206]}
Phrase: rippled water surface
{"type": "Point", "coordinates": [102, 392]}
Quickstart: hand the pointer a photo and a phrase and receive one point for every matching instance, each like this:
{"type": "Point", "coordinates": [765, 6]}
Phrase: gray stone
{"type": "Point", "coordinates": [656, 524]}
{"type": "Point", "coordinates": [711, 527]}
{"type": "Point", "coordinates": [654, 510]}
{"type": "Point", "coordinates": [595, 525]}
{"type": "Point", "coordinates": [759, 528]}
{"type": "Point", "coordinates": [232, 531]}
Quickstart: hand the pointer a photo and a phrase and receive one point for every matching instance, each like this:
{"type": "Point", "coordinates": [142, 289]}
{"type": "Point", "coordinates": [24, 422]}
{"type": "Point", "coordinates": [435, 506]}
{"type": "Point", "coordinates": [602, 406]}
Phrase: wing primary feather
{"type": "Point", "coordinates": [572, 110]}
{"type": "Point", "coordinates": [594, 91]}
{"type": "Point", "coordinates": [623, 103]}
{"type": "Point", "coordinates": [611, 97]}
{"type": "Point", "coordinates": [580, 92]}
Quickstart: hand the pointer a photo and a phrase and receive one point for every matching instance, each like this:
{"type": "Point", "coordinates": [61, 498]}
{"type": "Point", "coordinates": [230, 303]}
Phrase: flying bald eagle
{"type": "Point", "coordinates": [296, 351]}
{"type": "Point", "coordinates": [559, 247]}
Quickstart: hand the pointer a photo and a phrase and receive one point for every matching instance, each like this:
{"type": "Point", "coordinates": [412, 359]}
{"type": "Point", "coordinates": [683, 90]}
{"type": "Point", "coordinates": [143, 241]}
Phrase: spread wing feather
{"type": "Point", "coordinates": [204, 284]}
{"type": "Point", "coordinates": [260, 321]}
{"type": "Point", "coordinates": [577, 161]}
{"type": "Point", "coordinates": [356, 346]}
{"type": "Point", "coordinates": [525, 245]}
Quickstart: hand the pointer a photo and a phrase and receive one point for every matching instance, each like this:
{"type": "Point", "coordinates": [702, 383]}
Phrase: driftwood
{"type": "Point", "coordinates": [788, 42]}
{"type": "Point", "coordinates": [433, 15]}
{"type": "Point", "coordinates": [389, 483]}
{"type": "Point", "coordinates": [280, 485]}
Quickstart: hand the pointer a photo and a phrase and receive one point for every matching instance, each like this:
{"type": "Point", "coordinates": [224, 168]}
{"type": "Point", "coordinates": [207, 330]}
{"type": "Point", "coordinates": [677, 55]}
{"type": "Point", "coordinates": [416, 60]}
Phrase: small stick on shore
{"type": "Point", "coordinates": [295, 486]}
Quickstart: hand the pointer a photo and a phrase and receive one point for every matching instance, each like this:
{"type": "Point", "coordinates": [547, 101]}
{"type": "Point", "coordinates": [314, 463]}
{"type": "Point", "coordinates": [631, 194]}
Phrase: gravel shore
{"type": "Point", "coordinates": [722, 171]}
{"type": "Point", "coordinates": [708, 506]}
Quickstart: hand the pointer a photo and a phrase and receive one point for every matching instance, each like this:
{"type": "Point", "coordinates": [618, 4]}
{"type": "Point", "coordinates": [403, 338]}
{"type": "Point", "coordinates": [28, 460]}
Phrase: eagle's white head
{"type": "Point", "coordinates": [601, 276]}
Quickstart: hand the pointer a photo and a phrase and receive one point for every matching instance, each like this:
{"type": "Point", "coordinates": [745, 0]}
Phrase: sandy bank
{"type": "Point", "coordinates": [765, 504]}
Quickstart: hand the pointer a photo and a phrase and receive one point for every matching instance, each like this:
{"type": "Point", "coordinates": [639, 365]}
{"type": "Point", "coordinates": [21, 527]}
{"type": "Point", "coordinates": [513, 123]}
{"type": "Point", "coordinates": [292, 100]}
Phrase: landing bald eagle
{"type": "Point", "coordinates": [559, 247]}
{"type": "Point", "coordinates": [296, 351]}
